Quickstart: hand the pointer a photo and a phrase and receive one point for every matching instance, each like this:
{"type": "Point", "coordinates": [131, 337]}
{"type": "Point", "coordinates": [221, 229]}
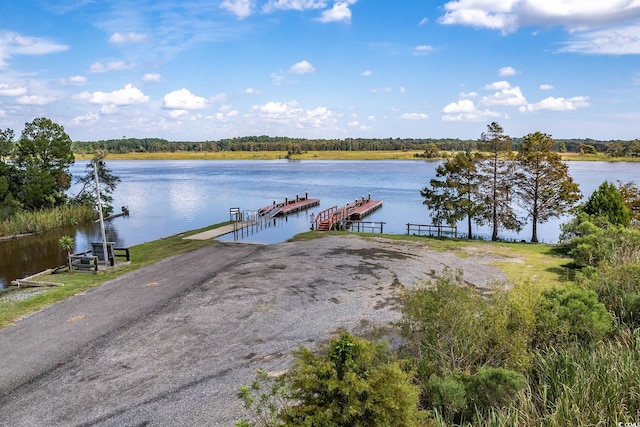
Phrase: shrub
{"type": "Point", "coordinates": [570, 315]}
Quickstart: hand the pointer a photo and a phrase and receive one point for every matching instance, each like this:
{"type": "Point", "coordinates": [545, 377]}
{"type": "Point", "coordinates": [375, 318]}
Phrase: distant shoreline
{"type": "Point", "coordinates": [319, 155]}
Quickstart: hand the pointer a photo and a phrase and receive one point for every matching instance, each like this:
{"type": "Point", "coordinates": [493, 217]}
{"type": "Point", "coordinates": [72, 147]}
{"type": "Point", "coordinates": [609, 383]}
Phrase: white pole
{"type": "Point", "coordinates": [104, 237]}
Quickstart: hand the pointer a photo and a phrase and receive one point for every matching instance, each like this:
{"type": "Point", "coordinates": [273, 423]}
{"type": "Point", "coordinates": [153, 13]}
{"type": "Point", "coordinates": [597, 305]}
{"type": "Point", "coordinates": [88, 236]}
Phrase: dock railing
{"type": "Point", "coordinates": [432, 230]}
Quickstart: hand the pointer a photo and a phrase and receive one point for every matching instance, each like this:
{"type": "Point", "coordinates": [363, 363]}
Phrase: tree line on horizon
{"type": "Point", "coordinates": [613, 148]}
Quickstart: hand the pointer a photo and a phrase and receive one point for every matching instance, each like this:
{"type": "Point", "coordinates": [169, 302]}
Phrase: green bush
{"type": "Point", "coordinates": [618, 288]}
{"type": "Point", "coordinates": [352, 382]}
{"type": "Point", "coordinates": [570, 315]}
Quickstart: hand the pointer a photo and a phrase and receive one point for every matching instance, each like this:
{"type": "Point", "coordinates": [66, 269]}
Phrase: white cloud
{"type": "Point", "coordinates": [89, 118]}
{"type": "Point", "coordinates": [498, 85]}
{"type": "Point", "coordinates": [614, 41]}
{"type": "Point", "coordinates": [403, 89]}
{"type": "Point", "coordinates": [340, 12]}
{"type": "Point", "coordinates": [595, 26]}
{"type": "Point", "coordinates": [127, 38]}
{"type": "Point", "coordinates": [290, 114]}
{"type": "Point", "coordinates": [508, 97]}
{"type": "Point", "coordinates": [507, 71]}
{"type": "Point", "coordinates": [240, 8]}
{"type": "Point", "coordinates": [35, 100]}
{"type": "Point", "coordinates": [465, 110]}
{"type": "Point", "coordinates": [302, 67]}
{"type": "Point", "coordinates": [354, 123]}
{"type": "Point", "coordinates": [367, 73]}
{"type": "Point", "coordinates": [77, 79]}
{"type": "Point", "coordinates": [423, 21]}
{"type": "Point", "coordinates": [546, 87]}
{"type": "Point", "coordinates": [558, 104]}
{"type": "Point", "coordinates": [423, 50]}
{"type": "Point", "coordinates": [183, 99]}
{"type": "Point", "coordinates": [129, 95]}
{"type": "Point", "coordinates": [151, 77]}
{"type": "Point", "coordinates": [462, 106]}
{"type": "Point", "coordinates": [99, 67]}
{"type": "Point", "coordinates": [468, 94]}
{"type": "Point", "coordinates": [12, 44]}
{"type": "Point", "coordinates": [414, 116]}
{"type": "Point", "coordinates": [7, 90]}
{"type": "Point", "coordinates": [252, 91]}
{"type": "Point", "coordinates": [298, 5]}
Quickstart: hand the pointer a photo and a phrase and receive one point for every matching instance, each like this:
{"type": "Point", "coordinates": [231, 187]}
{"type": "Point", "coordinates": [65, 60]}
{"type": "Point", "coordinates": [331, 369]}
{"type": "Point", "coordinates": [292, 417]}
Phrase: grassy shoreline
{"type": "Point", "coordinates": [322, 155]}
{"type": "Point", "coordinates": [539, 262]}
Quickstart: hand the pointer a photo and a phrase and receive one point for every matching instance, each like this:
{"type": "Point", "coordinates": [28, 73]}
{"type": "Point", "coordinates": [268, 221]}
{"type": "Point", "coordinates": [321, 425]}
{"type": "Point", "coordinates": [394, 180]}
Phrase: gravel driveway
{"type": "Point", "coordinates": [170, 344]}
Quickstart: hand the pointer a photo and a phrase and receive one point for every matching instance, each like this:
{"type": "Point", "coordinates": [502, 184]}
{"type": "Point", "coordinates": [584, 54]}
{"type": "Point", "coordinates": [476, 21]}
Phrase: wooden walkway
{"type": "Point", "coordinates": [220, 231]}
{"type": "Point", "coordinates": [330, 218]}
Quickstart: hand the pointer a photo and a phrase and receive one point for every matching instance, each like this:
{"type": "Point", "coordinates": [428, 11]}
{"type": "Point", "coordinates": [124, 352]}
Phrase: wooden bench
{"type": "Point", "coordinates": [84, 263]}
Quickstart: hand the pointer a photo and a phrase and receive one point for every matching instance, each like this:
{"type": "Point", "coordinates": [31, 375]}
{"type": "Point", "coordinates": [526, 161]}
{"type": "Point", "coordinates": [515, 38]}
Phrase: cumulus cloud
{"type": "Point", "coordinates": [465, 110]}
{"type": "Point", "coordinates": [35, 100]}
{"type": "Point", "coordinates": [423, 21]}
{"type": "Point", "coordinates": [546, 87]}
{"type": "Point", "coordinates": [99, 67]}
{"type": "Point", "coordinates": [127, 38]}
{"type": "Point", "coordinates": [367, 73]}
{"type": "Point", "coordinates": [183, 99]}
{"type": "Point", "coordinates": [302, 67]}
{"type": "Point", "coordinates": [509, 97]}
{"type": "Point", "coordinates": [151, 77]}
{"type": "Point", "coordinates": [340, 12]}
{"type": "Point", "coordinates": [240, 8]}
{"type": "Point", "coordinates": [414, 116]}
{"type": "Point", "coordinates": [424, 49]}
{"type": "Point", "coordinates": [129, 95]}
{"type": "Point", "coordinates": [77, 80]}
{"type": "Point", "coordinates": [594, 26]}
{"type": "Point", "coordinates": [252, 91]}
{"type": "Point", "coordinates": [503, 84]}
{"type": "Point", "coordinates": [89, 118]}
{"type": "Point", "coordinates": [387, 89]}
{"type": "Point", "coordinates": [12, 44]}
{"type": "Point", "coordinates": [507, 71]}
{"type": "Point", "coordinates": [558, 104]}
{"type": "Point", "coordinates": [9, 90]}
{"type": "Point", "coordinates": [291, 114]}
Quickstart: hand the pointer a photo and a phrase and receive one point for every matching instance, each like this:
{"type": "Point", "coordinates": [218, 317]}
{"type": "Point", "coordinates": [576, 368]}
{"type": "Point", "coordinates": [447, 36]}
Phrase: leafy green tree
{"type": "Point", "coordinates": [6, 143]}
{"type": "Point", "coordinates": [45, 145]}
{"type": "Point", "coordinates": [607, 202]}
{"type": "Point", "coordinates": [542, 181]}
{"type": "Point", "coordinates": [107, 184]}
{"type": "Point", "coordinates": [631, 195]}
{"type": "Point", "coordinates": [454, 197]}
{"type": "Point", "coordinates": [37, 188]}
{"type": "Point", "coordinates": [431, 151]}
{"type": "Point", "coordinates": [496, 189]}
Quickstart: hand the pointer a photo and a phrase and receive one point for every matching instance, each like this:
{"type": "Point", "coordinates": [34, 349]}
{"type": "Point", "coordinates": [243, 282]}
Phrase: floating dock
{"type": "Point", "coordinates": [331, 218]}
{"type": "Point", "coordinates": [288, 206]}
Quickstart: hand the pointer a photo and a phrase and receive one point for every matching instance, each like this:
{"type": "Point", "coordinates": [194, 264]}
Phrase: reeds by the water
{"type": "Point", "coordinates": [47, 219]}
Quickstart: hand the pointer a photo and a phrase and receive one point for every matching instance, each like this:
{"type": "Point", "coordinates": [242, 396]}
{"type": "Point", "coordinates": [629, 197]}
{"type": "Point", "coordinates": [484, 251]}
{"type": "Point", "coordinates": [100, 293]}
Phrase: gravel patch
{"type": "Point", "coordinates": [171, 344]}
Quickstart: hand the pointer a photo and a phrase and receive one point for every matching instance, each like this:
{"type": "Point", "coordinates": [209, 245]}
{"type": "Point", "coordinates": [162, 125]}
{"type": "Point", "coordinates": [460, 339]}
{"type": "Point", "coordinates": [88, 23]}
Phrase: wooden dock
{"type": "Point", "coordinates": [288, 206]}
{"type": "Point", "coordinates": [330, 219]}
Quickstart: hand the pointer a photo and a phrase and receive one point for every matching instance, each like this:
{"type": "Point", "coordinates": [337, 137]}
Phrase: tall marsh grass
{"type": "Point", "coordinates": [578, 386]}
{"type": "Point", "coordinates": [47, 219]}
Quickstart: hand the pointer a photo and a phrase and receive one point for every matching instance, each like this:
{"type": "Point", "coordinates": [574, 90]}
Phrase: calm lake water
{"type": "Point", "coordinates": [170, 197]}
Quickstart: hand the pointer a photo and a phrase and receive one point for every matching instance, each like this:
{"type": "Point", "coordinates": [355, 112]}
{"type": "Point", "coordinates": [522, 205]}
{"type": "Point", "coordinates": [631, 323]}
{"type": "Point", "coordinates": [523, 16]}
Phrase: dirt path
{"type": "Point", "coordinates": [170, 344]}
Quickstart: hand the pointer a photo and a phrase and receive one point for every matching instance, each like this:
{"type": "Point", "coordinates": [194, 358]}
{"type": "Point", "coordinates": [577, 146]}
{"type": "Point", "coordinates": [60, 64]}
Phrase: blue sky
{"type": "Point", "coordinates": [209, 69]}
